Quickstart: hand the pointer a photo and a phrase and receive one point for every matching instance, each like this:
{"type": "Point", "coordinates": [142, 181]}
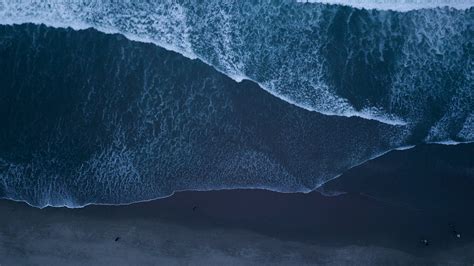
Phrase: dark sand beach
{"type": "Point", "coordinates": [374, 223]}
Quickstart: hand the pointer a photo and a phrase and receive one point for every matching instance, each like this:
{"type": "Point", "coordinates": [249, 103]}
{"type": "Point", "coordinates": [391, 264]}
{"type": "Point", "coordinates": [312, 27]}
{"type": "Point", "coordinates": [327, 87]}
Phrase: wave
{"type": "Point", "coordinates": [106, 120]}
{"type": "Point", "coordinates": [397, 5]}
{"type": "Point", "coordinates": [93, 118]}
{"type": "Point", "coordinates": [396, 68]}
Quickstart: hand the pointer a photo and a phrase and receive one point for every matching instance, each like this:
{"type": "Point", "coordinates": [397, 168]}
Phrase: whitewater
{"type": "Point", "coordinates": [282, 47]}
{"type": "Point", "coordinates": [397, 5]}
{"type": "Point", "coordinates": [407, 75]}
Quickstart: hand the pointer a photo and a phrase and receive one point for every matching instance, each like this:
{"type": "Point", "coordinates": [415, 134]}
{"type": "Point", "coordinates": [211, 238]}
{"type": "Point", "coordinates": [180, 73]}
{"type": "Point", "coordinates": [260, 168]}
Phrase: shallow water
{"type": "Point", "coordinates": [89, 117]}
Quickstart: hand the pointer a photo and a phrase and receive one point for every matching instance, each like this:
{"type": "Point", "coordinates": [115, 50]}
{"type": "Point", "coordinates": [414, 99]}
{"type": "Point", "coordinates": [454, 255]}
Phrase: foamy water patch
{"type": "Point", "coordinates": [397, 5]}
{"type": "Point", "coordinates": [169, 29]}
{"type": "Point", "coordinates": [283, 54]}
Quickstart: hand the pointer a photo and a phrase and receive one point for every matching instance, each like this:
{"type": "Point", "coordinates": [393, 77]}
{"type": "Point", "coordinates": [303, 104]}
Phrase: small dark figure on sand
{"type": "Point", "coordinates": [425, 242]}
{"type": "Point", "coordinates": [455, 233]}
{"type": "Point", "coordinates": [117, 239]}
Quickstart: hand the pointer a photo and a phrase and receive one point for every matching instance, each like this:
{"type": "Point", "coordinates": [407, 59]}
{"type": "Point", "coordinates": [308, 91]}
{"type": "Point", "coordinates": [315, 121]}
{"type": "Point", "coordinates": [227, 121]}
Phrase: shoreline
{"type": "Point", "coordinates": [391, 204]}
{"type": "Point", "coordinates": [321, 188]}
{"type": "Point", "coordinates": [230, 223]}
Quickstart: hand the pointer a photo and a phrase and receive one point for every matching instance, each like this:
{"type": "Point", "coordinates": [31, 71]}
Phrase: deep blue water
{"type": "Point", "coordinates": [88, 117]}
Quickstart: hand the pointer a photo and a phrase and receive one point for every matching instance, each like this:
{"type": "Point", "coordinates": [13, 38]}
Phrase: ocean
{"type": "Point", "coordinates": [118, 102]}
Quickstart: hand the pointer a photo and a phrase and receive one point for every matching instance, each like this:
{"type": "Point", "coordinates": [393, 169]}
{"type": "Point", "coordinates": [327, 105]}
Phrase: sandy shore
{"type": "Point", "coordinates": [227, 227]}
{"type": "Point", "coordinates": [367, 226]}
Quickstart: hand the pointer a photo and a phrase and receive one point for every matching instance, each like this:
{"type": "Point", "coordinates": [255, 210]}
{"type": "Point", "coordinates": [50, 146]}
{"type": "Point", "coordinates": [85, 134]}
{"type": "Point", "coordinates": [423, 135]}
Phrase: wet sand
{"type": "Point", "coordinates": [378, 222]}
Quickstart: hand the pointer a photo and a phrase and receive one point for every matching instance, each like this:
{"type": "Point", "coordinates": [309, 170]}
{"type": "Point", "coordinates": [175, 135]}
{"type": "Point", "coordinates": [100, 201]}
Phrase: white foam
{"type": "Point", "coordinates": [467, 131]}
{"type": "Point", "coordinates": [298, 76]}
{"type": "Point", "coordinates": [404, 148]}
{"type": "Point", "coordinates": [397, 5]}
{"type": "Point", "coordinates": [450, 142]}
{"type": "Point", "coordinates": [168, 27]}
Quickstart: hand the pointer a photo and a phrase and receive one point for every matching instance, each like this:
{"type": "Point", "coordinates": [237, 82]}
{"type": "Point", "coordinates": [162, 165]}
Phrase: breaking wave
{"type": "Point", "coordinates": [92, 118]}
{"type": "Point", "coordinates": [95, 118]}
{"type": "Point", "coordinates": [409, 68]}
